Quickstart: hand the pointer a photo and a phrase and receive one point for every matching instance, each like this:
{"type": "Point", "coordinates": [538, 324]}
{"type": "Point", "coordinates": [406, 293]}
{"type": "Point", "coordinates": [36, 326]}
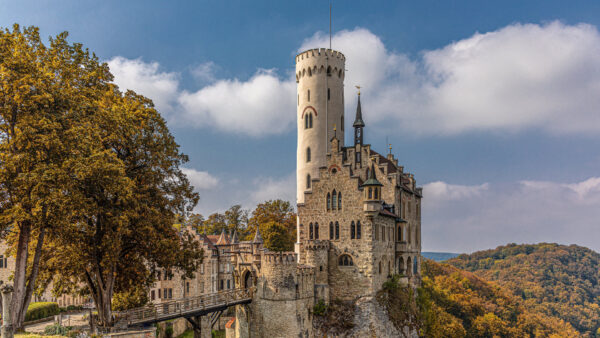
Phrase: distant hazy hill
{"type": "Point", "coordinates": [457, 303]}
{"type": "Point", "coordinates": [439, 256]}
{"type": "Point", "coordinates": [552, 279]}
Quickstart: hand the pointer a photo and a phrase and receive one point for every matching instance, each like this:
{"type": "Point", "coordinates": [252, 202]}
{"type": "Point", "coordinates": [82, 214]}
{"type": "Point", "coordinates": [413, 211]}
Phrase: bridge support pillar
{"type": "Point", "coordinates": [197, 326]}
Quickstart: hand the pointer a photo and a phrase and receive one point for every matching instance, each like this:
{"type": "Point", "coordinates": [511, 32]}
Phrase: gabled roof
{"type": "Point", "coordinates": [223, 238]}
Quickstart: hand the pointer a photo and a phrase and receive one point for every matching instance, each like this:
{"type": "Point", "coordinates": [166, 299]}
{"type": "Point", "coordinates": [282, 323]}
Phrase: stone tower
{"type": "Point", "coordinates": [320, 104]}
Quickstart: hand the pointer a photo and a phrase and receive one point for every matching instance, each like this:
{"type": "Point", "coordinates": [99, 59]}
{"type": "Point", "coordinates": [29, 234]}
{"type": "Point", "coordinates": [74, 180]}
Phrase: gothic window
{"type": "Point", "coordinates": [308, 181]}
{"type": "Point", "coordinates": [310, 236]}
{"type": "Point", "coordinates": [328, 94]}
{"type": "Point", "coordinates": [308, 154]}
{"type": "Point", "coordinates": [152, 295]}
{"type": "Point", "coordinates": [337, 230]}
{"type": "Point", "coordinates": [400, 234]}
{"type": "Point", "coordinates": [345, 260]}
{"type": "Point", "coordinates": [316, 230]}
{"type": "Point", "coordinates": [310, 125]}
{"type": "Point", "coordinates": [330, 230]}
{"type": "Point", "coordinates": [340, 200]}
{"type": "Point", "coordinates": [358, 230]}
{"type": "Point", "coordinates": [309, 95]}
{"type": "Point", "coordinates": [328, 201]}
{"type": "Point", "coordinates": [370, 193]}
{"type": "Point", "coordinates": [306, 118]}
{"type": "Point", "coordinates": [352, 230]}
{"type": "Point", "coordinates": [333, 200]}
{"type": "Point", "coordinates": [375, 193]}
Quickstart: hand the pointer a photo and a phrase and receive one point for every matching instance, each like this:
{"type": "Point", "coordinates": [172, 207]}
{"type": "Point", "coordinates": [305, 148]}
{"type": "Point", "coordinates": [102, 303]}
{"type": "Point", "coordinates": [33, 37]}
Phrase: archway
{"type": "Point", "coordinates": [247, 279]}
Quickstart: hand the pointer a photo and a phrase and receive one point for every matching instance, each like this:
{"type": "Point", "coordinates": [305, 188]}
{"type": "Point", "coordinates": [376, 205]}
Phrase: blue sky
{"type": "Point", "coordinates": [494, 106]}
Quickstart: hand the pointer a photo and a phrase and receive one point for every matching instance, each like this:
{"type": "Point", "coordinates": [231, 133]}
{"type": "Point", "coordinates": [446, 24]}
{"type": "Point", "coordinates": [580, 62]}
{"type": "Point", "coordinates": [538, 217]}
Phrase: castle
{"type": "Point", "coordinates": [359, 216]}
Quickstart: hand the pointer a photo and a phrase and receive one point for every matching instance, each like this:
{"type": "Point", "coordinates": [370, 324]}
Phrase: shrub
{"type": "Point", "coordinates": [320, 308]}
{"type": "Point", "coordinates": [56, 329]}
{"type": "Point", "coordinates": [41, 310]}
{"type": "Point", "coordinates": [74, 308]}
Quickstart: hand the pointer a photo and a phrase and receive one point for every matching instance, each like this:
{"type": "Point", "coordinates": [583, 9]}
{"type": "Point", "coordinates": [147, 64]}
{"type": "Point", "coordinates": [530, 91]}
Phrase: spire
{"type": "Point", "coordinates": [223, 238]}
{"type": "Point", "coordinates": [257, 236]}
{"type": "Point", "coordinates": [234, 237]}
{"type": "Point", "coordinates": [358, 121]}
{"type": "Point", "coordinates": [372, 179]}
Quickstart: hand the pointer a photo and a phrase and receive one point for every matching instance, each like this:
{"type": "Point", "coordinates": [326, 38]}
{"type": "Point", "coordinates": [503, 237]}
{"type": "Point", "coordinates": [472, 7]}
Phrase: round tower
{"type": "Point", "coordinates": [320, 105]}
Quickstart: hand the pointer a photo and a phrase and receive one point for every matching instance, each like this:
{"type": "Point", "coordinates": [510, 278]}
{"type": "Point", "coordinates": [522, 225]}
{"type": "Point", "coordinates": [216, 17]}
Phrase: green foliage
{"type": "Point", "coordinates": [41, 310]}
{"type": "Point", "coordinates": [456, 303]}
{"type": "Point", "coordinates": [320, 308]}
{"type": "Point", "coordinates": [56, 329]}
{"type": "Point", "coordinates": [276, 237]}
{"type": "Point", "coordinates": [218, 334]}
{"type": "Point", "coordinates": [130, 299]}
{"type": "Point", "coordinates": [169, 330]}
{"type": "Point", "coordinates": [552, 279]}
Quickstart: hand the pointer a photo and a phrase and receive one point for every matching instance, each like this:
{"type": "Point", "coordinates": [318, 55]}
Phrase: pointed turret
{"type": "Point", "coordinates": [372, 193]}
{"type": "Point", "coordinates": [223, 238]}
{"type": "Point", "coordinates": [372, 179]}
{"type": "Point", "coordinates": [358, 125]}
{"type": "Point", "coordinates": [257, 236]}
{"type": "Point", "coordinates": [234, 237]}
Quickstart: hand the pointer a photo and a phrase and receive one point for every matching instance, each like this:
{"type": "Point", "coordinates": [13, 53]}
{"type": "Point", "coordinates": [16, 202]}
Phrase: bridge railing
{"type": "Point", "coordinates": [155, 312]}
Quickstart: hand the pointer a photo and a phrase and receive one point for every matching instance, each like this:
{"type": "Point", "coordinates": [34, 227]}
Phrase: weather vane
{"type": "Point", "coordinates": [358, 87]}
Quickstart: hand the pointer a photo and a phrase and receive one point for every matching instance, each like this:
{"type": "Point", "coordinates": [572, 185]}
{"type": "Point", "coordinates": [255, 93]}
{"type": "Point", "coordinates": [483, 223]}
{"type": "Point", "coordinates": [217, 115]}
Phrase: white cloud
{"type": "Point", "coordinates": [146, 79]}
{"type": "Point", "coordinates": [279, 188]}
{"type": "Point", "coordinates": [521, 212]}
{"type": "Point", "coordinates": [205, 72]}
{"type": "Point", "coordinates": [201, 180]}
{"type": "Point", "coordinates": [262, 105]}
{"type": "Point", "coordinates": [518, 77]}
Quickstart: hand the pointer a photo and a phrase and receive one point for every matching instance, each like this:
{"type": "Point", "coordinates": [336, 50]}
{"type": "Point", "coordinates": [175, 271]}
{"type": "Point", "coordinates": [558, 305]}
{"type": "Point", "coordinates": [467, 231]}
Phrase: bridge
{"type": "Point", "coordinates": [192, 308]}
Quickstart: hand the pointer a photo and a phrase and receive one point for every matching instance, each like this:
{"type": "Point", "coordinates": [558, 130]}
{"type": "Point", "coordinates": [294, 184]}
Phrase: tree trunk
{"type": "Point", "coordinates": [102, 292]}
{"type": "Point", "coordinates": [18, 299]}
{"type": "Point", "coordinates": [30, 285]}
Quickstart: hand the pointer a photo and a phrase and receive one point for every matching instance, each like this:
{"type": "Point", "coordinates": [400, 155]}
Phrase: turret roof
{"type": "Point", "coordinates": [257, 236]}
{"type": "Point", "coordinates": [372, 180]}
{"type": "Point", "coordinates": [358, 122]}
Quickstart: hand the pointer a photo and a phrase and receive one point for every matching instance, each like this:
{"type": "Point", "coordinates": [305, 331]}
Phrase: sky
{"type": "Point", "coordinates": [494, 106]}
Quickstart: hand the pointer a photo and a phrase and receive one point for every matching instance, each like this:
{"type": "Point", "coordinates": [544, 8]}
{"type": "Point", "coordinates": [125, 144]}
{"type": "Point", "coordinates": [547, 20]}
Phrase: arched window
{"type": "Point", "coordinates": [330, 230]}
{"type": "Point", "coordinates": [309, 72]}
{"type": "Point", "coordinates": [370, 193]}
{"type": "Point", "coordinates": [380, 268]}
{"type": "Point", "coordinates": [352, 230]}
{"type": "Point", "coordinates": [310, 233]}
{"type": "Point", "coordinates": [316, 230]}
{"type": "Point", "coordinates": [329, 71]}
{"type": "Point", "coordinates": [400, 234]}
{"type": "Point", "coordinates": [306, 121]}
{"type": "Point", "coordinates": [337, 230]}
{"type": "Point", "coordinates": [328, 201]}
{"type": "Point", "coordinates": [345, 260]}
{"type": "Point", "coordinates": [308, 154]}
{"type": "Point", "coordinates": [375, 193]}
{"type": "Point", "coordinates": [334, 200]}
{"type": "Point", "coordinates": [308, 95]}
{"type": "Point", "coordinates": [308, 181]}
{"type": "Point", "coordinates": [310, 120]}
{"type": "Point", "coordinates": [358, 230]}
{"type": "Point", "coordinates": [340, 200]}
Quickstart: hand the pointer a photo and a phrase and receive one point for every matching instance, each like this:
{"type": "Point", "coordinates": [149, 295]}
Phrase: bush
{"type": "Point", "coordinates": [56, 330]}
{"type": "Point", "coordinates": [169, 331]}
{"type": "Point", "coordinates": [320, 308]}
{"type": "Point", "coordinates": [41, 310]}
{"type": "Point", "coordinates": [74, 308]}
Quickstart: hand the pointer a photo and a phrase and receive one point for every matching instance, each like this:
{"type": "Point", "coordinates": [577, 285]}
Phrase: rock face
{"type": "Point", "coordinates": [370, 320]}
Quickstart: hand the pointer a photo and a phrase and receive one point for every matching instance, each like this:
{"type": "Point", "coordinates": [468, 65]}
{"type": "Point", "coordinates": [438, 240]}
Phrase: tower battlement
{"type": "Point", "coordinates": [316, 245]}
{"type": "Point", "coordinates": [319, 52]}
{"type": "Point", "coordinates": [275, 258]}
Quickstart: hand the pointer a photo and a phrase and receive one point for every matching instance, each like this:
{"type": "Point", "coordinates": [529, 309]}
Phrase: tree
{"type": "Point", "coordinates": [44, 94]}
{"type": "Point", "coordinates": [276, 211]}
{"type": "Point", "coordinates": [276, 237]}
{"type": "Point", "coordinates": [236, 218]}
{"type": "Point", "coordinates": [125, 199]}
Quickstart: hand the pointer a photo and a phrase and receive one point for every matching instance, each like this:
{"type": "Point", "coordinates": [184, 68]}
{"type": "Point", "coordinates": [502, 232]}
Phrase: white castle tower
{"type": "Point", "coordinates": [320, 77]}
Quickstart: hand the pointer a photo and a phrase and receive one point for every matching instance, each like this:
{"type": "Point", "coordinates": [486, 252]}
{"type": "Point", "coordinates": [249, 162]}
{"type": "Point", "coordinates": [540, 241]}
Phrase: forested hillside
{"type": "Point", "coordinates": [552, 279]}
{"type": "Point", "coordinates": [457, 303]}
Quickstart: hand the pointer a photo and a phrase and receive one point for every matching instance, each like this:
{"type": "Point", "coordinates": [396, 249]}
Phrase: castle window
{"type": "Point", "coordinates": [310, 119]}
{"type": "Point", "coordinates": [352, 230]}
{"type": "Point", "coordinates": [370, 193]}
{"type": "Point", "coordinates": [337, 230]}
{"type": "Point", "coordinates": [358, 230]}
{"type": "Point", "coordinates": [159, 293]}
{"type": "Point", "coordinates": [328, 201]}
{"type": "Point", "coordinates": [316, 230]}
{"type": "Point", "coordinates": [187, 287]}
{"type": "Point", "coordinates": [330, 230]}
{"type": "Point", "coordinates": [345, 260]}
{"type": "Point", "coordinates": [308, 181]}
{"type": "Point", "coordinates": [383, 234]}
{"type": "Point", "coordinates": [310, 233]}
{"type": "Point", "coordinates": [308, 154]}
{"type": "Point", "coordinates": [309, 72]}
{"type": "Point", "coordinates": [340, 200]}
{"type": "Point", "coordinates": [380, 268]}
{"type": "Point", "coordinates": [328, 94]}
{"type": "Point", "coordinates": [333, 200]}
{"type": "Point", "coordinates": [309, 95]}
{"type": "Point", "coordinates": [342, 122]}
{"type": "Point", "coordinates": [329, 71]}
{"type": "Point", "coordinates": [400, 234]}
{"type": "Point", "coordinates": [375, 193]}
{"type": "Point", "coordinates": [415, 267]}
{"type": "Point", "coordinates": [152, 295]}
{"type": "Point", "coordinates": [306, 121]}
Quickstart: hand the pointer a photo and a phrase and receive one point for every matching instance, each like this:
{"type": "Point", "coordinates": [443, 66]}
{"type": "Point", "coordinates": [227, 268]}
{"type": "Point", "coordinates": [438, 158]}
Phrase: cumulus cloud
{"type": "Point", "coordinates": [521, 212]}
{"type": "Point", "coordinates": [262, 105]}
{"type": "Point", "coordinates": [521, 76]}
{"type": "Point", "coordinates": [201, 180]}
{"type": "Point", "coordinates": [146, 79]}
{"type": "Point", "coordinates": [274, 188]}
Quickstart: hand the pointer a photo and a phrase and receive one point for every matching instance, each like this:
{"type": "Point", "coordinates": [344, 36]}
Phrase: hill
{"type": "Point", "coordinates": [457, 303]}
{"type": "Point", "coordinates": [439, 256]}
{"type": "Point", "coordinates": [552, 279]}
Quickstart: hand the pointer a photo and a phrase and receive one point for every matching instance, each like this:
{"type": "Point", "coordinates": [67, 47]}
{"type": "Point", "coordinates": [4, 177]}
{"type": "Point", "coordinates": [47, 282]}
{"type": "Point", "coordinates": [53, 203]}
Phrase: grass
{"type": "Point", "coordinates": [187, 334]}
